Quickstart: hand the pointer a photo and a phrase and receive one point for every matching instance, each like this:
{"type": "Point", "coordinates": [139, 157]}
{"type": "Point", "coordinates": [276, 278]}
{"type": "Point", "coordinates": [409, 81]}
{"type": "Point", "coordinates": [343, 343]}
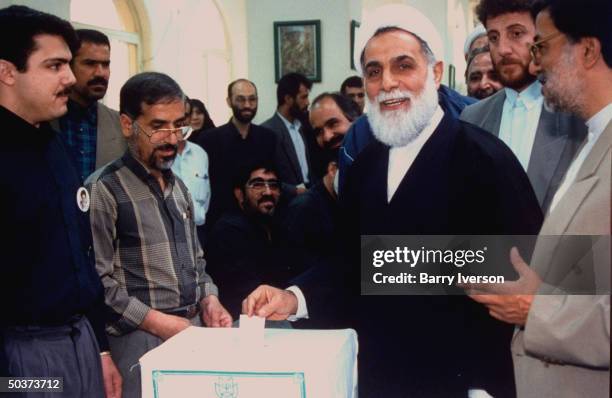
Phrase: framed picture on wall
{"type": "Point", "coordinates": [354, 27]}
{"type": "Point", "coordinates": [297, 48]}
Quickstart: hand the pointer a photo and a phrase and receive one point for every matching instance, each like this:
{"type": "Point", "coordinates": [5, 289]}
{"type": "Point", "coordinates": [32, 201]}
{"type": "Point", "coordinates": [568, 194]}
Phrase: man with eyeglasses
{"type": "Point", "coordinates": [142, 216]}
{"type": "Point", "coordinates": [352, 87]}
{"type": "Point", "coordinates": [233, 146]}
{"type": "Point", "coordinates": [561, 308]}
{"type": "Point", "coordinates": [544, 142]}
{"type": "Point", "coordinates": [246, 246]}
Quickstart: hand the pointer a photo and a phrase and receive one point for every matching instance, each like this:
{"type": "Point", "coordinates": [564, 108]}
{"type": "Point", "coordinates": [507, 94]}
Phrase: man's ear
{"type": "Point", "coordinates": [591, 51]}
{"type": "Point", "coordinates": [239, 195]}
{"type": "Point", "coordinates": [228, 101]}
{"type": "Point", "coordinates": [438, 70]}
{"type": "Point", "coordinates": [289, 100]}
{"type": "Point", "coordinates": [126, 125]}
{"type": "Point", "coordinates": [7, 72]}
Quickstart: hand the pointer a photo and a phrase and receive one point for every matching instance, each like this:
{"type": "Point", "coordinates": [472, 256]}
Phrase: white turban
{"type": "Point", "coordinates": [400, 16]}
{"type": "Point", "coordinates": [478, 31]}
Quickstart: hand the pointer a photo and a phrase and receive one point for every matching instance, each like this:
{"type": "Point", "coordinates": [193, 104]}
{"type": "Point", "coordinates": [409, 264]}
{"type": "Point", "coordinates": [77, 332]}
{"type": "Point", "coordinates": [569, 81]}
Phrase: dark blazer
{"type": "Point", "coordinates": [463, 181]}
{"type": "Point", "coordinates": [286, 159]}
{"type": "Point", "coordinates": [558, 138]}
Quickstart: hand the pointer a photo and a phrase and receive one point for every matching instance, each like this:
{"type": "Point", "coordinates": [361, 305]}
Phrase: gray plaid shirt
{"type": "Point", "coordinates": [147, 250]}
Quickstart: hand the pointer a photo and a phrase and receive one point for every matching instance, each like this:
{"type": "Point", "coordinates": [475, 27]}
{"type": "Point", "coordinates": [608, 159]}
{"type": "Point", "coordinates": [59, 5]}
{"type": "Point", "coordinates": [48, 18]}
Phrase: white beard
{"type": "Point", "coordinates": [401, 127]}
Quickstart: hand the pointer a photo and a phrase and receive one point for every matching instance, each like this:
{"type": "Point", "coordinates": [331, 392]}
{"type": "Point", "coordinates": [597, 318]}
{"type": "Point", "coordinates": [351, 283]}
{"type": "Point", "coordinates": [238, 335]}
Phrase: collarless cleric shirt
{"type": "Point", "coordinates": [596, 125]}
{"type": "Point", "coordinates": [147, 250]}
{"type": "Point", "coordinates": [80, 130]}
{"type": "Point", "coordinates": [401, 158]}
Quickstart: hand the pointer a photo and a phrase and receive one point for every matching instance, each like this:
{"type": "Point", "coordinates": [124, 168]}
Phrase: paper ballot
{"type": "Point", "coordinates": [251, 334]}
{"type": "Point", "coordinates": [216, 362]}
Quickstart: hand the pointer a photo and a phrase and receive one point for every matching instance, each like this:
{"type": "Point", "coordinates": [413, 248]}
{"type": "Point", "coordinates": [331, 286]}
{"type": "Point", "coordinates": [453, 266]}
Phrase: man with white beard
{"type": "Point", "coordinates": [426, 173]}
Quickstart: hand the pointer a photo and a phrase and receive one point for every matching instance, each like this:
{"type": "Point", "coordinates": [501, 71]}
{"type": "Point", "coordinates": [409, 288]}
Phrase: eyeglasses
{"type": "Point", "coordinates": [535, 49]}
{"type": "Point", "coordinates": [243, 100]}
{"type": "Point", "coordinates": [160, 135]}
{"type": "Point", "coordinates": [259, 184]}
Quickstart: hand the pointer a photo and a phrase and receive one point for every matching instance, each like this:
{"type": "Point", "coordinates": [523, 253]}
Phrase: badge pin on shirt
{"type": "Point", "coordinates": [82, 198]}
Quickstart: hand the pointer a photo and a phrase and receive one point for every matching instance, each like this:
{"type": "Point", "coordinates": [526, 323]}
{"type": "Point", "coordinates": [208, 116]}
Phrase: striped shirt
{"type": "Point", "coordinates": [147, 250]}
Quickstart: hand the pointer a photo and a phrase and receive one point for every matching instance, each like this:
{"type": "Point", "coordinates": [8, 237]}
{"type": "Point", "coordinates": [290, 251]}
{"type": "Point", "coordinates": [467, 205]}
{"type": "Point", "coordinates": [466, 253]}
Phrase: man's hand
{"type": "Point", "coordinates": [300, 189]}
{"type": "Point", "coordinates": [509, 302]}
{"type": "Point", "coordinates": [214, 314]}
{"type": "Point", "coordinates": [270, 303]}
{"type": "Point", "coordinates": [163, 325]}
{"type": "Point", "coordinates": [112, 377]}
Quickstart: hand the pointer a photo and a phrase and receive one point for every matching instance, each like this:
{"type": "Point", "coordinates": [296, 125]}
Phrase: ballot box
{"type": "Point", "coordinates": [227, 363]}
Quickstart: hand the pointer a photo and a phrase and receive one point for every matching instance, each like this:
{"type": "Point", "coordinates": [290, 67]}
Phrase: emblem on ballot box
{"type": "Point", "coordinates": [226, 388]}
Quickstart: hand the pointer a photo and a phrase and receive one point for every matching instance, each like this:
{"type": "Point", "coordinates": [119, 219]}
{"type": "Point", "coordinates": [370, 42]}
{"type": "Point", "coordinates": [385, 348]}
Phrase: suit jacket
{"type": "Point", "coordinates": [463, 181]}
{"type": "Point", "coordinates": [564, 349]}
{"type": "Point", "coordinates": [557, 140]}
{"type": "Point", "coordinates": [110, 142]}
{"type": "Point", "coordinates": [286, 159]}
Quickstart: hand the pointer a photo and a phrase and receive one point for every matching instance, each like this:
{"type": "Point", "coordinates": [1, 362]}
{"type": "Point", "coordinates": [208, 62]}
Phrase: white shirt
{"type": "Point", "coordinates": [191, 166]}
{"type": "Point", "coordinates": [402, 157]}
{"type": "Point", "coordinates": [596, 124]}
{"type": "Point", "coordinates": [298, 144]}
{"type": "Point", "coordinates": [520, 119]}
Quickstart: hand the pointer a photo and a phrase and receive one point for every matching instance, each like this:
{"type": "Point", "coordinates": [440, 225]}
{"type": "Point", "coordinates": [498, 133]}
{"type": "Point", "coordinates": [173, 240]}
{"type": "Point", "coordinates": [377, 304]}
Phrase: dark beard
{"type": "Point", "coordinates": [301, 115]}
{"type": "Point", "coordinates": [243, 118]}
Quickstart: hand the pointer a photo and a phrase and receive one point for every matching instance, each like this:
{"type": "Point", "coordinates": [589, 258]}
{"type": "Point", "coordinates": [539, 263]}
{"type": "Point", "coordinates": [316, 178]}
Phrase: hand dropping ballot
{"type": "Point", "coordinates": [252, 362]}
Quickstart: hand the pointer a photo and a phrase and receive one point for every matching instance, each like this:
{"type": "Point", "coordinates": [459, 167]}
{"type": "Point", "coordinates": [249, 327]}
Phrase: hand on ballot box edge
{"type": "Point", "coordinates": [214, 313]}
{"type": "Point", "coordinates": [271, 303]}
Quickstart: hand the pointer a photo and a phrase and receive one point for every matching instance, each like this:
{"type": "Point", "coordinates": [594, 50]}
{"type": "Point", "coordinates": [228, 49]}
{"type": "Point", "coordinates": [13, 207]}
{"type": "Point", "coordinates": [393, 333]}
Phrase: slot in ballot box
{"type": "Point", "coordinates": [212, 363]}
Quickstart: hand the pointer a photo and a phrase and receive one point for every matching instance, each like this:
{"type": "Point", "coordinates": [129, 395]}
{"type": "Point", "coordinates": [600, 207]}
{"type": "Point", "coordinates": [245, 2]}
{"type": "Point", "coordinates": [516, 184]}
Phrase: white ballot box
{"type": "Point", "coordinates": [226, 363]}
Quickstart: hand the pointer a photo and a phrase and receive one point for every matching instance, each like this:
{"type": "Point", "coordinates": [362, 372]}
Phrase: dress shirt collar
{"type": "Point", "coordinates": [296, 125]}
{"type": "Point", "coordinates": [531, 96]}
{"type": "Point", "coordinates": [142, 172]}
{"type": "Point", "coordinates": [598, 122]}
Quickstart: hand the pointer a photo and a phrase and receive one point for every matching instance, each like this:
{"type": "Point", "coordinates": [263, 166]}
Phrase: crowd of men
{"type": "Point", "coordinates": [121, 232]}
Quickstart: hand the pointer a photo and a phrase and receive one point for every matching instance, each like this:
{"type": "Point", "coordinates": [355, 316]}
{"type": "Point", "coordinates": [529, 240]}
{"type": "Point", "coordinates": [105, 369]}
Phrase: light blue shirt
{"type": "Point", "coordinates": [520, 119]}
{"type": "Point", "coordinates": [298, 144]}
{"type": "Point", "coordinates": [192, 168]}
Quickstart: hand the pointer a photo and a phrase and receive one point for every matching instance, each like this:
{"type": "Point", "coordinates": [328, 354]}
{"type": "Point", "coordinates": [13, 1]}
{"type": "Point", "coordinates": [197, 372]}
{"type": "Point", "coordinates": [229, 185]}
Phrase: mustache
{"type": "Point", "coordinates": [266, 198]}
{"type": "Point", "coordinates": [97, 80]}
{"type": "Point", "coordinates": [510, 61]}
{"type": "Point", "coordinates": [166, 147]}
{"type": "Point", "coordinates": [336, 139]}
{"type": "Point", "coordinates": [395, 94]}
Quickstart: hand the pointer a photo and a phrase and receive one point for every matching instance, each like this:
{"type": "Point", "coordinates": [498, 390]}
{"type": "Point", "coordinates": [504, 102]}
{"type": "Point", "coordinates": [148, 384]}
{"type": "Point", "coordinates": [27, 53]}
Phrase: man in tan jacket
{"type": "Point", "coordinates": [561, 305]}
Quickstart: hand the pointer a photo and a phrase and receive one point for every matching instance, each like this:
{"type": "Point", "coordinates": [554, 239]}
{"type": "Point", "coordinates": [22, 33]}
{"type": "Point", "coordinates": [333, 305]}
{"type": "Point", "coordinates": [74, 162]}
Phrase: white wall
{"type": "Point", "coordinates": [335, 52]}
